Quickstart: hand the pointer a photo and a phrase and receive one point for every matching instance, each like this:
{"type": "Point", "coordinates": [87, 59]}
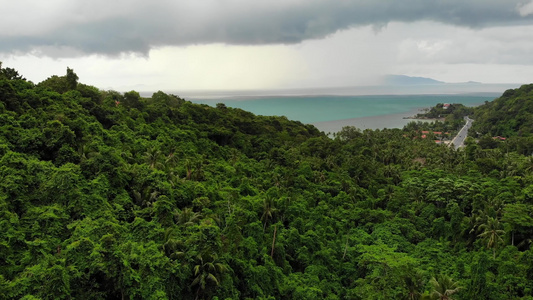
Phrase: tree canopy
{"type": "Point", "coordinates": [109, 195]}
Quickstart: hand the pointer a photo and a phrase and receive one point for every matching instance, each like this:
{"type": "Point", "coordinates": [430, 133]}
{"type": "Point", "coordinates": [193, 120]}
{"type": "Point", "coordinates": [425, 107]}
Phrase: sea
{"type": "Point", "coordinates": [331, 113]}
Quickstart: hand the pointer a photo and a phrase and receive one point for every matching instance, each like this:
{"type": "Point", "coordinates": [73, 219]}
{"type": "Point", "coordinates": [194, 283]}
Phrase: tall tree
{"type": "Point", "coordinates": [72, 79]}
{"type": "Point", "coordinates": [269, 210]}
{"type": "Point", "coordinates": [492, 233]}
{"type": "Point", "coordinates": [207, 271]}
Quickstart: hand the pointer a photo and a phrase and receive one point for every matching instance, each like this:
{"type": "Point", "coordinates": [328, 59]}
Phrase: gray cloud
{"type": "Point", "coordinates": [137, 26]}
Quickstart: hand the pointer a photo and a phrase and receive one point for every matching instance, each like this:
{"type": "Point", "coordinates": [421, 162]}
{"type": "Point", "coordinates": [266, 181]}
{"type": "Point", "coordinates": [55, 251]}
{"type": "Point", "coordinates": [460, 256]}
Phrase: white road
{"type": "Point", "coordinates": [458, 140]}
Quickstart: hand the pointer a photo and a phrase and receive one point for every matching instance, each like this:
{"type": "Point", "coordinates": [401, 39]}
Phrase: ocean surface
{"type": "Point", "coordinates": [331, 113]}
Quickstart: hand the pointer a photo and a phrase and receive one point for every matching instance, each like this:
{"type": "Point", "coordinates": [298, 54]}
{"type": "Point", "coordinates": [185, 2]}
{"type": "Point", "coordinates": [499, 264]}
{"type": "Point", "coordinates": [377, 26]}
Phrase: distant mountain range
{"type": "Point", "coordinates": [408, 80]}
{"type": "Point", "coordinates": [388, 85]}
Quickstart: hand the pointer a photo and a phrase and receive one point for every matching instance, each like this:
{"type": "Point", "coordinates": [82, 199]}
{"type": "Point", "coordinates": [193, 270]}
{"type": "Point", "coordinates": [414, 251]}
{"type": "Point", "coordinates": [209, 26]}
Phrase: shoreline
{"type": "Point", "coordinates": [331, 114]}
{"type": "Point", "coordinates": [424, 118]}
{"type": "Point", "coordinates": [397, 120]}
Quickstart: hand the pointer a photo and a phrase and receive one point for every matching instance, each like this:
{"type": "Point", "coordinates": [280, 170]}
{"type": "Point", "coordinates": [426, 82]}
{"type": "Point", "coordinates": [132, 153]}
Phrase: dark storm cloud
{"type": "Point", "coordinates": [138, 27]}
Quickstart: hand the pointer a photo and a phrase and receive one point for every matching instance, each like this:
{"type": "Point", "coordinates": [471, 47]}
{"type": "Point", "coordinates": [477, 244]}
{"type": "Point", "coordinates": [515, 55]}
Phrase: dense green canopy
{"type": "Point", "coordinates": [509, 115]}
{"type": "Point", "coordinates": [108, 195]}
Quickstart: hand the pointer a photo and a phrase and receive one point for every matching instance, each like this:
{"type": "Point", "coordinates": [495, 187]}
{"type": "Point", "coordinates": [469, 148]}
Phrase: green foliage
{"type": "Point", "coordinates": [455, 111]}
{"type": "Point", "coordinates": [10, 74]}
{"type": "Point", "coordinates": [507, 116]}
{"type": "Point", "coordinates": [106, 195]}
{"type": "Point", "coordinates": [444, 287]}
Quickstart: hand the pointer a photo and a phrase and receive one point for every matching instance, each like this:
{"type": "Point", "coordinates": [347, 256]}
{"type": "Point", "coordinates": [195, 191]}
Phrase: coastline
{"type": "Point", "coordinates": [424, 118]}
{"type": "Point", "coordinates": [396, 120]}
{"type": "Point", "coordinates": [332, 113]}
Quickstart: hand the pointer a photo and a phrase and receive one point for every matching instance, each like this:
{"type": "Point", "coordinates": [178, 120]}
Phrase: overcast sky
{"type": "Point", "coordinates": [255, 44]}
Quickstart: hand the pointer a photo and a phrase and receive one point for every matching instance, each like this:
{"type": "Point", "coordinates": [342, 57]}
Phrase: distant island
{"type": "Point", "coordinates": [408, 80]}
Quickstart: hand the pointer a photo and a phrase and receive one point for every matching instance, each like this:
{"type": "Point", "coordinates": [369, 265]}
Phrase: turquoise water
{"type": "Point", "coordinates": [330, 113]}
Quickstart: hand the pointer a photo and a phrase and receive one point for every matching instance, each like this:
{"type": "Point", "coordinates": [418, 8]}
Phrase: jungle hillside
{"type": "Point", "coordinates": [109, 195]}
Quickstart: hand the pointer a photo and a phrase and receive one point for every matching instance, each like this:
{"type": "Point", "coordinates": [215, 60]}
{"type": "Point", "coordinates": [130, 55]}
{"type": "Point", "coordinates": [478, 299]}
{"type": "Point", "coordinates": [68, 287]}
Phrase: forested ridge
{"type": "Point", "coordinates": [511, 117]}
{"type": "Point", "coordinates": [108, 195]}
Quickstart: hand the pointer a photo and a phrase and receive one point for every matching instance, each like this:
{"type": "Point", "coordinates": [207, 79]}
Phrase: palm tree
{"type": "Point", "coordinates": [171, 160]}
{"type": "Point", "coordinates": [392, 172]}
{"type": "Point", "coordinates": [207, 272]}
{"type": "Point", "coordinates": [277, 179]}
{"type": "Point", "coordinates": [268, 210]}
{"type": "Point", "coordinates": [170, 163]}
{"type": "Point", "coordinates": [528, 164]}
{"type": "Point", "coordinates": [145, 197]}
{"type": "Point", "coordinates": [491, 233]}
{"type": "Point", "coordinates": [493, 210]}
{"type": "Point", "coordinates": [198, 173]}
{"type": "Point", "coordinates": [152, 157]}
{"type": "Point", "coordinates": [188, 169]}
{"type": "Point", "coordinates": [414, 281]}
{"type": "Point", "coordinates": [85, 152]}
{"type": "Point", "coordinates": [126, 153]}
{"type": "Point", "coordinates": [187, 216]}
{"type": "Point", "coordinates": [444, 287]}
{"type": "Point", "coordinates": [171, 244]}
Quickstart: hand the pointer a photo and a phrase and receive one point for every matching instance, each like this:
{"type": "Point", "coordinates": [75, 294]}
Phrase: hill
{"type": "Point", "coordinates": [510, 118]}
{"type": "Point", "coordinates": [108, 195]}
{"type": "Point", "coordinates": [409, 80]}
{"type": "Point", "coordinates": [509, 115]}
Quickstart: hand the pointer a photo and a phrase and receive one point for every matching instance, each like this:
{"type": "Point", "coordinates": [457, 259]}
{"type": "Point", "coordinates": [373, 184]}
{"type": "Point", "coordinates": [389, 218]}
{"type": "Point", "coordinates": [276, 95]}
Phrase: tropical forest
{"type": "Point", "coordinates": [112, 195]}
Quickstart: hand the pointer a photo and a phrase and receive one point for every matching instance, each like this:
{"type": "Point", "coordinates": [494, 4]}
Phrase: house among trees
{"type": "Point", "coordinates": [438, 134]}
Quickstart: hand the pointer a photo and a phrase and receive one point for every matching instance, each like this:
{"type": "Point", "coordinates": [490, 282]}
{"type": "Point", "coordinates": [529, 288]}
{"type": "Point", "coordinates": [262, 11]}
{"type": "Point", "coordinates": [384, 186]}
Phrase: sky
{"type": "Point", "coordinates": [276, 44]}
